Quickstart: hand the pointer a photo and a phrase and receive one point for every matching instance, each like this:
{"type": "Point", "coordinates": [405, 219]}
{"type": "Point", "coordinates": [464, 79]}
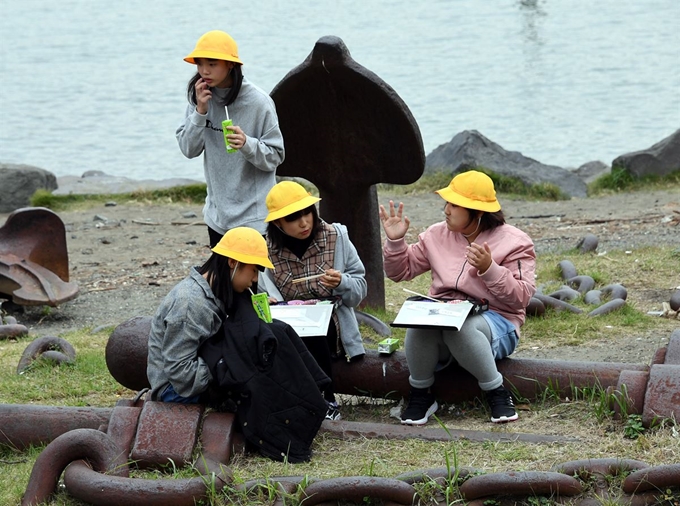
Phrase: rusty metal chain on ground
{"type": "Point", "coordinates": [95, 464]}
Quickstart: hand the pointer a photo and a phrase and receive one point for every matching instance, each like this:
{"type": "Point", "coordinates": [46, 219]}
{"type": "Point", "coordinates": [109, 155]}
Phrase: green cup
{"type": "Point", "coordinates": [261, 305]}
{"type": "Point", "coordinates": [225, 124]}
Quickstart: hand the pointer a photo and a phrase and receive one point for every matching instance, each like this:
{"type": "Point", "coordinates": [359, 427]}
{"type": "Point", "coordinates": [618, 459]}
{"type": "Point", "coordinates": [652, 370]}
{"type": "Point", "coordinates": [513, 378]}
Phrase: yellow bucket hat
{"type": "Point", "coordinates": [287, 197]}
{"type": "Point", "coordinates": [245, 245]}
{"type": "Point", "coordinates": [472, 190]}
{"type": "Point", "coordinates": [216, 45]}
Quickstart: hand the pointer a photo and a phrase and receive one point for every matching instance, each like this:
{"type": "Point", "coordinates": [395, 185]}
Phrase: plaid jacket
{"type": "Point", "coordinates": [331, 248]}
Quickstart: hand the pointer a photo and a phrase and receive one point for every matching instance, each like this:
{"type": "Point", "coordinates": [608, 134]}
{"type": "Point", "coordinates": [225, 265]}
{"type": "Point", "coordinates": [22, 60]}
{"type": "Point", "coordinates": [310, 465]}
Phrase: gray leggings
{"type": "Point", "coordinates": [470, 347]}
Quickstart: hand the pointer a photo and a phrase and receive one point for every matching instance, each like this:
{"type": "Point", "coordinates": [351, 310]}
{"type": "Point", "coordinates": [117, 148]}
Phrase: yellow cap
{"type": "Point", "coordinates": [245, 245]}
{"type": "Point", "coordinates": [287, 197]}
{"type": "Point", "coordinates": [216, 45]}
{"type": "Point", "coordinates": [472, 190]}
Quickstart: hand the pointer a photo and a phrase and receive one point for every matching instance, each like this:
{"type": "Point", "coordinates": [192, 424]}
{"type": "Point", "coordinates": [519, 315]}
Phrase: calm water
{"type": "Point", "coordinates": [100, 84]}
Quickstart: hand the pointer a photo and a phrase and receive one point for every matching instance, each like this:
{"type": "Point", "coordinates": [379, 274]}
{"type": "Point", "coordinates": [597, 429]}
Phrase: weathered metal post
{"type": "Point", "coordinates": [346, 130]}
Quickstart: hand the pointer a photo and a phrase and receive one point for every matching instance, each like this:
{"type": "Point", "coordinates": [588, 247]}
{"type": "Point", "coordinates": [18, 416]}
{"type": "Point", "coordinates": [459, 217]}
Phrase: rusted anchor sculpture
{"type": "Point", "coordinates": [347, 130]}
{"type": "Point", "coordinates": [34, 259]}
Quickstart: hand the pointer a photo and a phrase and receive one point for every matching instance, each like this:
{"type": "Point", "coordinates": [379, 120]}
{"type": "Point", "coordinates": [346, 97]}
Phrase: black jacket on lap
{"type": "Point", "coordinates": [266, 373]}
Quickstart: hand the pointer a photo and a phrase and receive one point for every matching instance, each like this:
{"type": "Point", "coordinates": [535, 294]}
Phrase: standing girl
{"type": "Point", "coordinates": [303, 245]}
{"type": "Point", "coordinates": [237, 182]}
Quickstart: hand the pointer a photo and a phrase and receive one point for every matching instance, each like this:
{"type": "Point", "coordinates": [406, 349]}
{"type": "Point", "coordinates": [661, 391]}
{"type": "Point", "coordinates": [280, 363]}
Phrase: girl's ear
{"type": "Point", "coordinates": [232, 263]}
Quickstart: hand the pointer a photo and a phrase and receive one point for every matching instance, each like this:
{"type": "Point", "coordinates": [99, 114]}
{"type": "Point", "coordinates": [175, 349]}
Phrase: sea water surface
{"type": "Point", "coordinates": [100, 85]}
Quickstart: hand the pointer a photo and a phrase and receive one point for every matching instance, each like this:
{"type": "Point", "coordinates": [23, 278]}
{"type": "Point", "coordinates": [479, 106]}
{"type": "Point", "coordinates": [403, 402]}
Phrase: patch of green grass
{"type": "Point", "coordinates": [194, 194]}
{"type": "Point", "coordinates": [648, 269]}
{"type": "Point", "coordinates": [619, 180]}
{"type": "Point", "coordinates": [86, 382]}
{"type": "Point", "coordinates": [15, 468]}
{"type": "Point", "coordinates": [633, 428]}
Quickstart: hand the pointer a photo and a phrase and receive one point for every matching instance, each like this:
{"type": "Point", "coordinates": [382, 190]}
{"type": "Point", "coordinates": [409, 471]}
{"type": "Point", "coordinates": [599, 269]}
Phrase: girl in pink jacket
{"type": "Point", "coordinates": [474, 254]}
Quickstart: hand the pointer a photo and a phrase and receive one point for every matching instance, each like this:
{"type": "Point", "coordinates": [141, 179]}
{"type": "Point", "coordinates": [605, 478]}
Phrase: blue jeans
{"type": "Point", "coordinates": [169, 395]}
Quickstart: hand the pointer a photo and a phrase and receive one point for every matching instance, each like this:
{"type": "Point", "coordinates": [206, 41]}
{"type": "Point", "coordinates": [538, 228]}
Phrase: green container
{"type": "Point", "coordinates": [225, 124]}
{"type": "Point", "coordinates": [388, 346]}
{"type": "Point", "coordinates": [261, 305]}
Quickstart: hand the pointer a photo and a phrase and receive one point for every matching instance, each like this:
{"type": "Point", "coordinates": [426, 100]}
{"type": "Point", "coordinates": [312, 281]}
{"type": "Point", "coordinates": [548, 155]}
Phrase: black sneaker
{"type": "Point", "coordinates": [333, 412]}
{"type": "Point", "coordinates": [502, 407]}
{"type": "Point", "coordinates": [421, 406]}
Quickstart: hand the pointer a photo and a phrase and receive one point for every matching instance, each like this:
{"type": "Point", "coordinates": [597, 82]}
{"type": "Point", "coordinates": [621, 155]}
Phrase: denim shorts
{"type": "Point", "coordinates": [169, 395]}
{"type": "Point", "coordinates": [503, 335]}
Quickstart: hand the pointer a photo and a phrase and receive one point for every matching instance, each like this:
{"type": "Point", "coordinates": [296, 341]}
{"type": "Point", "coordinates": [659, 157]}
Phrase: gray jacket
{"type": "Point", "coordinates": [188, 316]}
{"type": "Point", "coordinates": [352, 290]}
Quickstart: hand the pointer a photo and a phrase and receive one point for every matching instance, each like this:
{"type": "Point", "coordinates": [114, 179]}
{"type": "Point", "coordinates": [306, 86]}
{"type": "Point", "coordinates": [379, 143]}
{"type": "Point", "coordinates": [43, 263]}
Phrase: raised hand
{"type": "Point", "coordinates": [394, 225]}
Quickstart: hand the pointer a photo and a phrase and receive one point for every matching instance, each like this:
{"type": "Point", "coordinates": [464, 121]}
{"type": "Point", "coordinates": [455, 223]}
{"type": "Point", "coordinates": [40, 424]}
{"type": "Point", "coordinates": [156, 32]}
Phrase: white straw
{"type": "Point", "coordinates": [420, 295]}
{"type": "Point", "coordinates": [251, 291]}
{"type": "Point", "coordinates": [226, 111]}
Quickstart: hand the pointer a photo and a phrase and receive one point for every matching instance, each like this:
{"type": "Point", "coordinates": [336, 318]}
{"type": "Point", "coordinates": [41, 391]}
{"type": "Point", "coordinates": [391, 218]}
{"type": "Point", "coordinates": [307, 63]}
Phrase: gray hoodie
{"type": "Point", "coordinates": [238, 183]}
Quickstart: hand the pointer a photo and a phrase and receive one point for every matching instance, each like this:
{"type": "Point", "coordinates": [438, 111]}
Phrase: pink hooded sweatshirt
{"type": "Point", "coordinates": [508, 284]}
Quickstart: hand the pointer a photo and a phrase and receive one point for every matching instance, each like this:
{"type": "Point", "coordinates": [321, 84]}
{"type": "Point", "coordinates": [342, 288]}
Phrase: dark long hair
{"type": "Point", "coordinates": [488, 220]}
{"type": "Point", "coordinates": [219, 278]}
{"type": "Point", "coordinates": [276, 235]}
{"type": "Point", "coordinates": [237, 76]}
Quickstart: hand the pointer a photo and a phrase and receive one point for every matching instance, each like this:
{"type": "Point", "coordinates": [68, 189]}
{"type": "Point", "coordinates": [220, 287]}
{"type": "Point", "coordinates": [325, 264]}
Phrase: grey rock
{"type": "Point", "coordinates": [93, 173]}
{"type": "Point", "coordinates": [589, 172]}
{"type": "Point", "coordinates": [470, 149]}
{"type": "Point", "coordinates": [19, 182]}
{"type": "Point", "coordinates": [659, 160]}
{"type": "Point", "coordinates": [98, 183]}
